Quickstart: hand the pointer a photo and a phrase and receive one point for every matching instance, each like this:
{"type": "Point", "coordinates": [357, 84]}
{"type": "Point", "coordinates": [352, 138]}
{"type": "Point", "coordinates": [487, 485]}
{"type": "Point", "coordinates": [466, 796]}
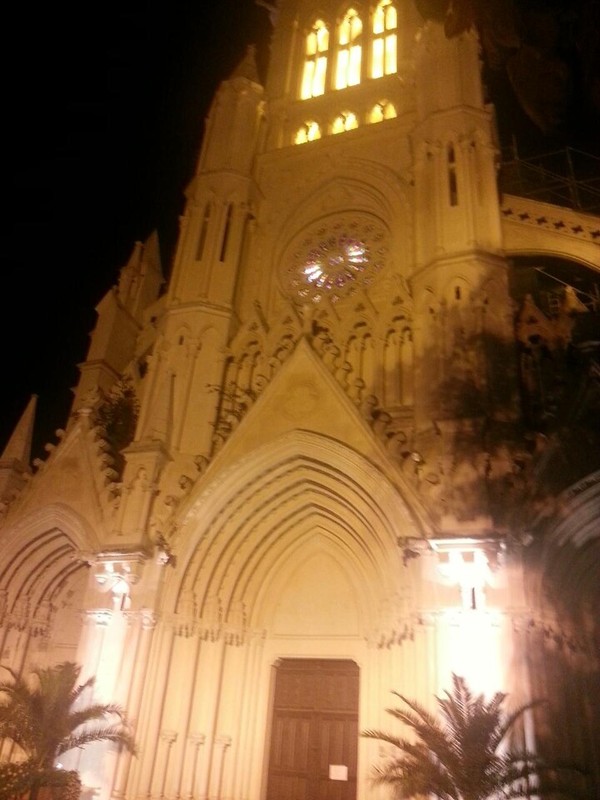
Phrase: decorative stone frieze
{"type": "Point", "coordinates": [117, 573]}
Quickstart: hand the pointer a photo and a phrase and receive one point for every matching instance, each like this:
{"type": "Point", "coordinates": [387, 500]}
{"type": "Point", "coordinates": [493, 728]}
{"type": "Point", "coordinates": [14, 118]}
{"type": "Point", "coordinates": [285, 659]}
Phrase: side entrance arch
{"type": "Point", "coordinates": [314, 739]}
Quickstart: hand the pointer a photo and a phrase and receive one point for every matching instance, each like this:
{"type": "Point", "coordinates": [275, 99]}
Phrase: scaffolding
{"type": "Point", "coordinates": [567, 177]}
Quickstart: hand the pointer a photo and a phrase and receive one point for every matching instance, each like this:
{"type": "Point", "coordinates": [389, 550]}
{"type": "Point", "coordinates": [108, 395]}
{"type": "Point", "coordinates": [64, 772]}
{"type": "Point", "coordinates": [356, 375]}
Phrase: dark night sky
{"type": "Point", "coordinates": [104, 109]}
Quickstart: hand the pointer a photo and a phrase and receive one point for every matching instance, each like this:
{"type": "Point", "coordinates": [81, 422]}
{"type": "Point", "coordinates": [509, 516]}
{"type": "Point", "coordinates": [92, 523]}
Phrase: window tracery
{"type": "Point", "coordinates": [346, 121]}
{"type": "Point", "coordinates": [315, 61]}
{"type": "Point", "coordinates": [334, 257]}
{"type": "Point", "coordinates": [349, 52]}
{"type": "Point", "coordinates": [340, 66]}
{"type": "Point", "coordinates": [384, 59]}
{"type": "Point", "coordinates": [382, 110]}
{"type": "Point", "coordinates": [308, 132]}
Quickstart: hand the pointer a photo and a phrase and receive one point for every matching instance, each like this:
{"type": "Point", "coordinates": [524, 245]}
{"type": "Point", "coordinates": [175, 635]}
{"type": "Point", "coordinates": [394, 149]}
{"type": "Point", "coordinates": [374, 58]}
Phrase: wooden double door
{"type": "Point", "coordinates": [314, 738]}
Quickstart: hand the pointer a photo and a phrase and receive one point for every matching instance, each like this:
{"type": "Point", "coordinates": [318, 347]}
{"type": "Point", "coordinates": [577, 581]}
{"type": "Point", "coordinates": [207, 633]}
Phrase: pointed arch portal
{"type": "Point", "coordinates": [310, 520]}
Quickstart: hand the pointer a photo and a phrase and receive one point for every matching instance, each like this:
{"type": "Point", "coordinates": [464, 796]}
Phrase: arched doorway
{"type": "Point", "coordinates": [314, 732]}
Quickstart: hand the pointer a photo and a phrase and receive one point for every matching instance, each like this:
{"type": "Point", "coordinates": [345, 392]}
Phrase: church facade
{"type": "Point", "coordinates": [349, 447]}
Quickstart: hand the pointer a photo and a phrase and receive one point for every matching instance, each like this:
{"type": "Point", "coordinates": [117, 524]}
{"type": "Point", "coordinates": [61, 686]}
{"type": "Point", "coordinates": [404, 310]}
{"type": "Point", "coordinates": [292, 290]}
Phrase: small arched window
{"type": "Point", "coordinates": [384, 59]}
{"type": "Point", "coordinates": [349, 51]}
{"type": "Point", "coordinates": [308, 132]}
{"type": "Point", "coordinates": [315, 61]}
{"type": "Point", "coordinates": [346, 121]}
{"type": "Point", "coordinates": [382, 110]}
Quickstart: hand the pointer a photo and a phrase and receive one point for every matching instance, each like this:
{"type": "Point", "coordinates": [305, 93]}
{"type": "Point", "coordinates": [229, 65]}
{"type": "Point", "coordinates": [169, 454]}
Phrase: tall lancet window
{"type": "Point", "coordinates": [349, 51]}
{"type": "Point", "coordinates": [226, 232]}
{"type": "Point", "coordinates": [384, 59]}
{"type": "Point", "coordinates": [315, 63]}
{"type": "Point", "coordinates": [452, 184]}
{"type": "Point", "coordinates": [203, 232]}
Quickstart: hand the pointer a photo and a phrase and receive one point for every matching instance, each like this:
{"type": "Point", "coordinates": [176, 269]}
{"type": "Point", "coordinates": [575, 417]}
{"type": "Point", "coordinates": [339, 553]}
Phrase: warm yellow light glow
{"type": "Point", "coordinates": [377, 57]}
{"type": "Point", "coordinates": [470, 570]}
{"type": "Point", "coordinates": [381, 111]}
{"type": "Point", "coordinates": [476, 649]}
{"type": "Point", "coordinates": [384, 59]}
{"type": "Point", "coordinates": [346, 121]}
{"type": "Point", "coordinates": [349, 51]}
{"type": "Point", "coordinates": [315, 65]}
{"type": "Point", "coordinates": [351, 28]}
{"type": "Point", "coordinates": [474, 643]}
{"type": "Point", "coordinates": [385, 17]}
{"type": "Point", "coordinates": [308, 132]}
{"type": "Point", "coordinates": [342, 69]}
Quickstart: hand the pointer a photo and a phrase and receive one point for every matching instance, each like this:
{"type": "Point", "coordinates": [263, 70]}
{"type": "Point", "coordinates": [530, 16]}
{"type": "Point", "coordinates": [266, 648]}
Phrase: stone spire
{"type": "Point", "coordinates": [247, 67]}
{"type": "Point", "coordinates": [18, 449]}
{"type": "Point", "coordinates": [15, 460]}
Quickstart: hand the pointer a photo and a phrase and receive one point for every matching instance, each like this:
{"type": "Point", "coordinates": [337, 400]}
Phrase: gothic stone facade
{"type": "Point", "coordinates": [315, 465]}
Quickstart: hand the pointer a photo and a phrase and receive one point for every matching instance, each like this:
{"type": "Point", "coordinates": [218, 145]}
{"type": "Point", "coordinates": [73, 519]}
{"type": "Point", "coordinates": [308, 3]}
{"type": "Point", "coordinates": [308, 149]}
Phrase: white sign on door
{"type": "Point", "coordinates": [338, 772]}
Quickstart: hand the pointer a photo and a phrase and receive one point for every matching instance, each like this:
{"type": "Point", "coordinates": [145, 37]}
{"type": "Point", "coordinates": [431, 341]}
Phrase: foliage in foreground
{"type": "Point", "coordinates": [45, 717]}
{"type": "Point", "coordinates": [462, 754]}
{"type": "Point", "coordinates": [17, 780]}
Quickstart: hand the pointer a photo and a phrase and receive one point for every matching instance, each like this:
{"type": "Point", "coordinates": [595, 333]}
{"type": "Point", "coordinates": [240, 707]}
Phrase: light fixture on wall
{"type": "Point", "coordinates": [468, 563]}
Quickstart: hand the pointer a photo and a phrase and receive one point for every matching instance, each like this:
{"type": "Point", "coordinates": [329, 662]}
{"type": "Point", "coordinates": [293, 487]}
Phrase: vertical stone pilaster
{"type": "Point", "coordinates": [212, 669]}
{"type": "Point", "coordinates": [221, 745]}
{"type": "Point", "coordinates": [147, 623]}
{"type": "Point", "coordinates": [252, 738]}
{"type": "Point", "coordinates": [187, 675]}
{"type": "Point", "coordinates": [168, 739]}
{"type": "Point", "coordinates": [151, 724]}
{"type": "Point", "coordinates": [195, 743]}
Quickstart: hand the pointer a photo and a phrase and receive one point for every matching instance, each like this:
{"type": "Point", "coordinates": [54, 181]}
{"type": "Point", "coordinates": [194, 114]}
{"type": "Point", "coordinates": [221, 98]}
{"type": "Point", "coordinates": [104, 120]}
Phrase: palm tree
{"type": "Point", "coordinates": [460, 755]}
{"type": "Point", "coordinates": [45, 718]}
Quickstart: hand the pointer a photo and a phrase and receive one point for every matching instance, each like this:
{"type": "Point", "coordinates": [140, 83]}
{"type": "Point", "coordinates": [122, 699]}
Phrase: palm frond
{"type": "Point", "coordinates": [110, 733]}
{"type": "Point", "coordinates": [46, 717]}
{"type": "Point", "coordinates": [94, 712]}
{"type": "Point", "coordinates": [455, 754]}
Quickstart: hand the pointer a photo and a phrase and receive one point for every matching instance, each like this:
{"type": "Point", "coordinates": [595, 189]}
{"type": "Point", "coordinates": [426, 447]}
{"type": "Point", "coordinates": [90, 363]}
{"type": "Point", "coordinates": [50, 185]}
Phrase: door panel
{"type": "Point", "coordinates": [315, 726]}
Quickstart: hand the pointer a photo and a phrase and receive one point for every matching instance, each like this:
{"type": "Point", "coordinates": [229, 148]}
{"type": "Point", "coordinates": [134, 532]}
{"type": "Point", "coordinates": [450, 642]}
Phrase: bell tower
{"type": "Point", "coordinates": [462, 305]}
{"type": "Point", "coordinates": [192, 323]}
{"type": "Point", "coordinates": [378, 128]}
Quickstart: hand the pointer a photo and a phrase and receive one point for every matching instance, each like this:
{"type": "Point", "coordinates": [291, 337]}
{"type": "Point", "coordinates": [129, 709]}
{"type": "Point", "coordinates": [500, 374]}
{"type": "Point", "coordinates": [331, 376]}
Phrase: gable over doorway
{"type": "Point", "coordinates": [314, 739]}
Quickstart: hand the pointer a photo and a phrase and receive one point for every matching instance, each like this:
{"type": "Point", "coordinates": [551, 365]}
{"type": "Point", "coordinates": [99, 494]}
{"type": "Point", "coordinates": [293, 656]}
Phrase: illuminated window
{"type": "Point", "coordinates": [307, 133]}
{"type": "Point", "coordinates": [346, 121]}
{"type": "Point", "coordinates": [334, 257]}
{"type": "Point", "coordinates": [381, 111]}
{"type": "Point", "coordinates": [349, 51]}
{"type": "Point", "coordinates": [315, 64]}
{"type": "Point", "coordinates": [385, 40]}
